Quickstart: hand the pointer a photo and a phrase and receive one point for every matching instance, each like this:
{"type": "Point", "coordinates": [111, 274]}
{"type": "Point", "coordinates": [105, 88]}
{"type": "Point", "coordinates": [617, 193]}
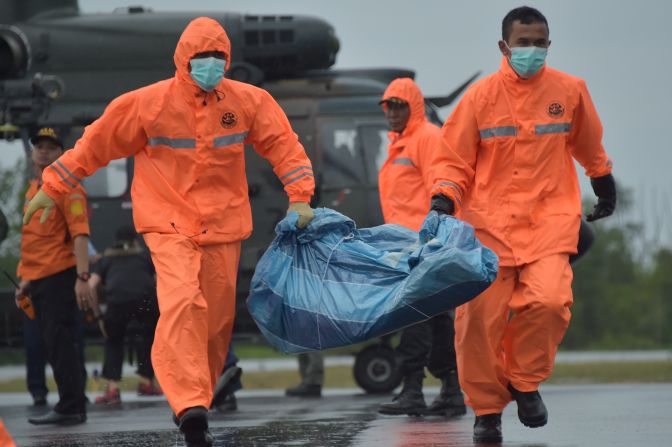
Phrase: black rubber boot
{"type": "Point", "coordinates": [225, 386]}
{"type": "Point", "coordinates": [488, 428]}
{"type": "Point", "coordinates": [450, 401]}
{"type": "Point", "coordinates": [228, 404]}
{"type": "Point", "coordinates": [194, 425]}
{"type": "Point", "coordinates": [304, 390]}
{"type": "Point", "coordinates": [410, 401]}
{"type": "Point", "coordinates": [531, 409]}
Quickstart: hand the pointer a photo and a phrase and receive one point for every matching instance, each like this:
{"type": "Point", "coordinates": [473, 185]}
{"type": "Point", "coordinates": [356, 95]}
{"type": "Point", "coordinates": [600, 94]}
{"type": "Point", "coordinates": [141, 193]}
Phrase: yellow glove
{"type": "Point", "coordinates": [304, 211]}
{"type": "Point", "coordinates": [40, 201]}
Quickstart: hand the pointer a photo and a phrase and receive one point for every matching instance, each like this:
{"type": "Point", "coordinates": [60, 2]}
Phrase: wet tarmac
{"type": "Point", "coordinates": [580, 415]}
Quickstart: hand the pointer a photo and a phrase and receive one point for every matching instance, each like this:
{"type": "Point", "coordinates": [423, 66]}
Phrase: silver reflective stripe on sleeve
{"type": "Point", "coordinates": [175, 143]}
{"type": "Point", "coordinates": [403, 161]}
{"type": "Point", "coordinates": [63, 177]}
{"type": "Point", "coordinates": [228, 140]}
{"type": "Point", "coordinates": [67, 171]}
{"type": "Point", "coordinates": [501, 131]}
{"type": "Point", "coordinates": [305, 174]}
{"type": "Point", "coordinates": [294, 171]}
{"type": "Point", "coordinates": [541, 129]}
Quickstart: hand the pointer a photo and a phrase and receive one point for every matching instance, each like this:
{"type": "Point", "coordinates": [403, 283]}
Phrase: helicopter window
{"type": "Point", "coordinates": [110, 181]}
{"type": "Point", "coordinates": [251, 38]}
{"type": "Point", "coordinates": [374, 141]}
{"type": "Point", "coordinates": [268, 37]}
{"type": "Point", "coordinates": [286, 35]}
{"type": "Point", "coordinates": [342, 162]}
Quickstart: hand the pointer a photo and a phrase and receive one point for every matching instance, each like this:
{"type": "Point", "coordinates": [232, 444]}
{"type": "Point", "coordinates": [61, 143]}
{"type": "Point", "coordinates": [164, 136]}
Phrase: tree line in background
{"type": "Point", "coordinates": [622, 287]}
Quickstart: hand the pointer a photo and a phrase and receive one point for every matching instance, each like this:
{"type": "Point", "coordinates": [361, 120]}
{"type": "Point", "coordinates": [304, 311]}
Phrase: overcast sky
{"type": "Point", "coordinates": [621, 49]}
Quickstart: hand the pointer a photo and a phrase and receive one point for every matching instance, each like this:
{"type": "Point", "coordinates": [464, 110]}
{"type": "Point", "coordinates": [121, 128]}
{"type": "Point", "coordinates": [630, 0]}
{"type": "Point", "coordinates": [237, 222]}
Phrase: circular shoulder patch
{"type": "Point", "coordinates": [76, 208]}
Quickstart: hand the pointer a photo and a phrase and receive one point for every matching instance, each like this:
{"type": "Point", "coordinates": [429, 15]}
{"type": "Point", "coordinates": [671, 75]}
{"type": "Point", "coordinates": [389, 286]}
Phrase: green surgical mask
{"type": "Point", "coordinates": [207, 72]}
{"type": "Point", "coordinates": [526, 61]}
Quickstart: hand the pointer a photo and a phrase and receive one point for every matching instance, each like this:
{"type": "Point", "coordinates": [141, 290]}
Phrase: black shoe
{"type": "Point", "coordinates": [229, 404]}
{"type": "Point", "coordinates": [194, 425]}
{"type": "Point", "coordinates": [531, 409]}
{"type": "Point", "coordinates": [449, 402]}
{"type": "Point", "coordinates": [59, 419]}
{"type": "Point", "coordinates": [410, 401]}
{"type": "Point", "coordinates": [225, 385]}
{"type": "Point", "coordinates": [39, 401]}
{"type": "Point", "coordinates": [304, 390]}
{"type": "Point", "coordinates": [488, 428]}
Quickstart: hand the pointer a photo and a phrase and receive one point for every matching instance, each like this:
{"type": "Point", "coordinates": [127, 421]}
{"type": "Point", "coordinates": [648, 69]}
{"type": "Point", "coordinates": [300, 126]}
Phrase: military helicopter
{"type": "Point", "coordinates": [59, 67]}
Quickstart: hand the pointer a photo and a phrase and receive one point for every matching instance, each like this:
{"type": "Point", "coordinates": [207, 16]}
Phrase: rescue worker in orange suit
{"type": "Point", "coordinates": [190, 202]}
{"type": "Point", "coordinates": [405, 183]}
{"type": "Point", "coordinates": [517, 132]}
{"type": "Point", "coordinates": [54, 271]}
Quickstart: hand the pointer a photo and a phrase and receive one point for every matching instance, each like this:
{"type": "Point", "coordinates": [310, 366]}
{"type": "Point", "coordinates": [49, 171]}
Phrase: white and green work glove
{"type": "Point", "coordinates": [40, 201]}
{"type": "Point", "coordinates": [304, 211]}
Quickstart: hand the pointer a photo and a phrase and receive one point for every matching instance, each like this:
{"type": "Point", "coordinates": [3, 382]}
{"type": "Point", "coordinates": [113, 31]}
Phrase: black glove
{"type": "Point", "coordinates": [442, 205]}
{"type": "Point", "coordinates": [605, 190]}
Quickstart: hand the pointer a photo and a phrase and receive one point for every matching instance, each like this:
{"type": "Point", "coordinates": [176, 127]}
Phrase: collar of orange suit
{"type": "Point", "coordinates": [408, 90]}
{"type": "Point", "coordinates": [510, 75]}
{"type": "Point", "coordinates": [201, 35]}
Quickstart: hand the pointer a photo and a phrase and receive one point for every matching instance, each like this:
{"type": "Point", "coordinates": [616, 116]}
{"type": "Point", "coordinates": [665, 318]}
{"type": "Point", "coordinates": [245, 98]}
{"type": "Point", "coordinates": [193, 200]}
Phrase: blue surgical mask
{"type": "Point", "coordinates": [207, 72]}
{"type": "Point", "coordinates": [526, 61]}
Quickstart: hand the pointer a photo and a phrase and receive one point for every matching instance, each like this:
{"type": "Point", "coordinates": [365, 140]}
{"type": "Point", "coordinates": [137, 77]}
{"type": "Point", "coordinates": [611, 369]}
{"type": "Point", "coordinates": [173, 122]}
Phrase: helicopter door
{"type": "Point", "coordinates": [373, 142]}
{"type": "Point", "coordinates": [342, 178]}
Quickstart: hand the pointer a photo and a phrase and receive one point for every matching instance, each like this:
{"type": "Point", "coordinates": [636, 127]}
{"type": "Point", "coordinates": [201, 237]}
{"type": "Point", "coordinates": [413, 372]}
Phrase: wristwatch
{"type": "Point", "coordinates": [84, 276]}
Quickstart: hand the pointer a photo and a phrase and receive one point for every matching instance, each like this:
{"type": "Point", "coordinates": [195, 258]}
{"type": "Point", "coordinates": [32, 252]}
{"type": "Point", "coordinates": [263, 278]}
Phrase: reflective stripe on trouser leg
{"type": "Point", "coordinates": [219, 267]}
{"type": "Point", "coordinates": [180, 350]}
{"type": "Point", "coordinates": [479, 330]}
{"type": "Point", "coordinates": [540, 307]}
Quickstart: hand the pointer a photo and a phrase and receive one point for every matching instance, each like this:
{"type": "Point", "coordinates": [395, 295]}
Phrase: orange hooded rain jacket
{"type": "Point", "coordinates": [190, 200]}
{"type": "Point", "coordinates": [183, 139]}
{"type": "Point", "coordinates": [48, 248]}
{"type": "Point", "coordinates": [518, 143]}
{"type": "Point", "coordinates": [415, 168]}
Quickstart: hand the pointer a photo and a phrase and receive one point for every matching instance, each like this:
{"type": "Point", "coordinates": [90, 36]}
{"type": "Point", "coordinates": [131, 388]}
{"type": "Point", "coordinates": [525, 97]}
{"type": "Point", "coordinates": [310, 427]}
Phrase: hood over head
{"type": "Point", "coordinates": [407, 90]}
{"type": "Point", "coordinates": [201, 35]}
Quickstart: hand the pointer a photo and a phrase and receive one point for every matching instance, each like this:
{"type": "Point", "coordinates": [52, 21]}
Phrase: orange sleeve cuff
{"type": "Point", "coordinates": [79, 231]}
{"type": "Point", "coordinates": [450, 190]}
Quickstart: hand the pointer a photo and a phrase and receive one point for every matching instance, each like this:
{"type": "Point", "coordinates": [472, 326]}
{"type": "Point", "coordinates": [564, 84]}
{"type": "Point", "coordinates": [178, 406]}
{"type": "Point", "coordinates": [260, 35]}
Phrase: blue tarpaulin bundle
{"type": "Point", "coordinates": [331, 284]}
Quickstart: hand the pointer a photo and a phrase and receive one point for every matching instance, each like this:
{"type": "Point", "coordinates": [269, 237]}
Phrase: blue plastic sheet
{"type": "Point", "coordinates": [332, 285]}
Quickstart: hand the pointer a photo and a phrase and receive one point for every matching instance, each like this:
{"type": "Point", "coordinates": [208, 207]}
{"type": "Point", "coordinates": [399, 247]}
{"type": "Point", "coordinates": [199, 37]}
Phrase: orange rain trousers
{"type": "Point", "coordinates": [197, 295]}
{"type": "Point", "coordinates": [511, 332]}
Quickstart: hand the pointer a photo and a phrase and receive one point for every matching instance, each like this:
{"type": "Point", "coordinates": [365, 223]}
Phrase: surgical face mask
{"type": "Point", "coordinates": [207, 72]}
{"type": "Point", "coordinates": [526, 61]}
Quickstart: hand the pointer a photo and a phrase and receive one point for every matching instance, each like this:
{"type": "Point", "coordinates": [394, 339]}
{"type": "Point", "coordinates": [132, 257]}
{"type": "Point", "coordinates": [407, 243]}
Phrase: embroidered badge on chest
{"type": "Point", "coordinates": [555, 109]}
{"type": "Point", "coordinates": [229, 120]}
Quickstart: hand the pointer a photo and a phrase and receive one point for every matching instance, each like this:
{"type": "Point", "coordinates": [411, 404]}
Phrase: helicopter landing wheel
{"type": "Point", "coordinates": [375, 369]}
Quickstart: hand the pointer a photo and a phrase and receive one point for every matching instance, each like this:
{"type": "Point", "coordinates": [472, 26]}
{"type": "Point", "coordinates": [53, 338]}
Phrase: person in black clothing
{"type": "Point", "coordinates": [430, 344]}
{"type": "Point", "coordinates": [127, 275]}
{"type": "Point", "coordinates": [54, 272]}
{"type": "Point", "coordinates": [223, 397]}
